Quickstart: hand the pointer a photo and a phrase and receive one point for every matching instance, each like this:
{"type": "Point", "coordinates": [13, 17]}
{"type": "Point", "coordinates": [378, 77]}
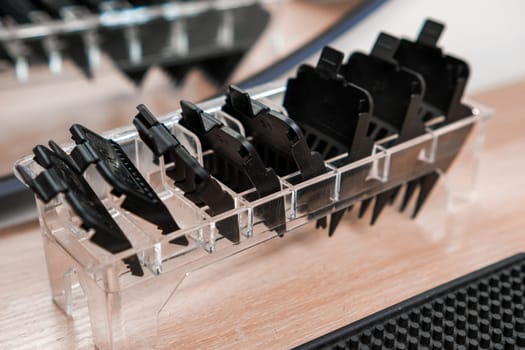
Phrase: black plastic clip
{"type": "Point", "coordinates": [118, 170]}
{"type": "Point", "coordinates": [60, 176]}
{"type": "Point", "coordinates": [186, 171]}
{"type": "Point", "coordinates": [235, 161]}
{"type": "Point", "coordinates": [277, 138]}
{"type": "Point", "coordinates": [445, 76]}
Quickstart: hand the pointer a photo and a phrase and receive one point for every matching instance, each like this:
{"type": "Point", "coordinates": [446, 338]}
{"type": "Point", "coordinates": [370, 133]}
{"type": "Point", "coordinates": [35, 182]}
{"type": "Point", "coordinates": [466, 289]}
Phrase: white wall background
{"type": "Point", "coordinates": [490, 35]}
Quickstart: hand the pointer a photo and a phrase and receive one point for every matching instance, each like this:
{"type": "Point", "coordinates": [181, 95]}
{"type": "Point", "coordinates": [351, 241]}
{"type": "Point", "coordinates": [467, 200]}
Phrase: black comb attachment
{"type": "Point", "coordinates": [334, 114]}
{"type": "Point", "coordinates": [186, 171]}
{"type": "Point", "coordinates": [277, 138]}
{"type": "Point", "coordinates": [235, 161]}
{"type": "Point", "coordinates": [396, 91]}
{"type": "Point", "coordinates": [445, 76]}
{"type": "Point", "coordinates": [60, 176]}
{"type": "Point", "coordinates": [232, 146]}
{"type": "Point", "coordinates": [280, 142]}
{"type": "Point", "coordinates": [117, 169]}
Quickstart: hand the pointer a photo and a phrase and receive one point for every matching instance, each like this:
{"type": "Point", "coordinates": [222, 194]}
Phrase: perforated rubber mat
{"type": "Point", "coordinates": [482, 310]}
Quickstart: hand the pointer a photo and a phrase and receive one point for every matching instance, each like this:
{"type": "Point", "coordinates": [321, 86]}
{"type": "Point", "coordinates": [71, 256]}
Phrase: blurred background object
{"type": "Point", "coordinates": [93, 61]}
{"type": "Point", "coordinates": [188, 55]}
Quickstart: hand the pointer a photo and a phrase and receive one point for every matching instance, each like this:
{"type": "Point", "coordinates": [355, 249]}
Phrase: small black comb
{"type": "Point", "coordinates": [118, 170]}
{"type": "Point", "coordinates": [60, 176]}
{"type": "Point", "coordinates": [186, 171]}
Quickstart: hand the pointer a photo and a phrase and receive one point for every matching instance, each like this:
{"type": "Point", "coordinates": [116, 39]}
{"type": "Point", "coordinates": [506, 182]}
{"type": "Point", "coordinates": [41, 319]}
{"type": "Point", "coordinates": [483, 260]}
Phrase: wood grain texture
{"type": "Point", "coordinates": [290, 290]}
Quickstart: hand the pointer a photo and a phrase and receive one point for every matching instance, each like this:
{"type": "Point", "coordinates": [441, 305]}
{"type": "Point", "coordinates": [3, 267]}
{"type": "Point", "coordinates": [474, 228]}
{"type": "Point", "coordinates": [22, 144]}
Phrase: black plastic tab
{"type": "Point", "coordinates": [235, 161]}
{"type": "Point", "coordinates": [59, 176]}
{"type": "Point", "coordinates": [118, 170]}
{"type": "Point", "coordinates": [277, 138]}
{"type": "Point", "coordinates": [430, 32]}
{"type": "Point", "coordinates": [445, 76]}
{"type": "Point", "coordinates": [385, 47]}
{"type": "Point", "coordinates": [186, 171]}
{"type": "Point", "coordinates": [330, 62]}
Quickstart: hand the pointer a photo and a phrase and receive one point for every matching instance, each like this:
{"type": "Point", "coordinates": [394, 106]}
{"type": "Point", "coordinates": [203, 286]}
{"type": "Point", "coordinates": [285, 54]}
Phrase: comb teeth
{"type": "Point", "coordinates": [136, 75]}
{"type": "Point", "coordinates": [423, 185]}
{"type": "Point", "coordinates": [133, 264]}
{"type": "Point", "coordinates": [426, 184]}
{"type": "Point", "coordinates": [381, 201]}
{"type": "Point", "coordinates": [335, 219]}
{"type": "Point", "coordinates": [395, 193]}
{"type": "Point", "coordinates": [364, 207]}
{"type": "Point", "coordinates": [410, 188]}
{"type": "Point", "coordinates": [337, 115]}
{"type": "Point", "coordinates": [321, 223]}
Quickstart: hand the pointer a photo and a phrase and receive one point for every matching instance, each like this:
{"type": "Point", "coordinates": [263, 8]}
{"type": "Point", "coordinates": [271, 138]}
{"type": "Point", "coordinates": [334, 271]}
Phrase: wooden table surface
{"type": "Point", "coordinates": [290, 290]}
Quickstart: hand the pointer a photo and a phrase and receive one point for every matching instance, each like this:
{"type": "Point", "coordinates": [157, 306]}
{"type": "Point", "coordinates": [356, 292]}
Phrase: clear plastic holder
{"type": "Point", "coordinates": [124, 309]}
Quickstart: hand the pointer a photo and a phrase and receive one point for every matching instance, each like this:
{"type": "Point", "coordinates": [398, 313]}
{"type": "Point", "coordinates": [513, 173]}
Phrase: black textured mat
{"type": "Point", "coordinates": [482, 310]}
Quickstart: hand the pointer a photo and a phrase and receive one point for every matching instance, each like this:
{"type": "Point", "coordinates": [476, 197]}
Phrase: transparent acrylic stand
{"type": "Point", "coordinates": [124, 309]}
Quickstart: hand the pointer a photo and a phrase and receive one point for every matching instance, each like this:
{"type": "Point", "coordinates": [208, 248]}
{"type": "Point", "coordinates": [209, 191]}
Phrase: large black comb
{"type": "Point", "coordinates": [334, 114]}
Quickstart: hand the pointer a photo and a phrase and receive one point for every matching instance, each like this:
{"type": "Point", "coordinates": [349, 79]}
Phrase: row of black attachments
{"type": "Point", "coordinates": [175, 45]}
{"type": "Point", "coordinates": [62, 175]}
{"type": "Point", "coordinates": [235, 162]}
{"type": "Point", "coordinates": [482, 310]}
{"type": "Point", "coordinates": [277, 138]}
{"type": "Point", "coordinates": [333, 109]}
{"type": "Point", "coordinates": [385, 96]}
